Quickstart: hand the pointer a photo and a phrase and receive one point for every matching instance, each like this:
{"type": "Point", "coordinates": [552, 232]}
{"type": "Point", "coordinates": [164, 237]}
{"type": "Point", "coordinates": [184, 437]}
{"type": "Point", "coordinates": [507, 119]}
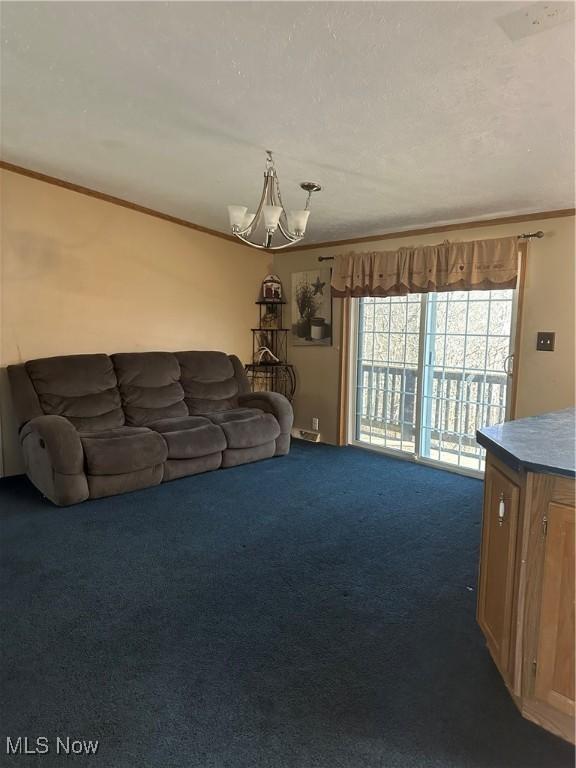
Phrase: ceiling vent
{"type": "Point", "coordinates": [535, 18]}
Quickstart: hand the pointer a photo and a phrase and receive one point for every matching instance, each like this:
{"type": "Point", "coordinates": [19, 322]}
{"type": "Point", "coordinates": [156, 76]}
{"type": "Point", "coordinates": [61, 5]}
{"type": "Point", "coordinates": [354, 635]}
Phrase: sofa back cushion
{"type": "Point", "coordinates": [209, 380]}
{"type": "Point", "coordinates": [83, 388]}
{"type": "Point", "coordinates": [149, 386]}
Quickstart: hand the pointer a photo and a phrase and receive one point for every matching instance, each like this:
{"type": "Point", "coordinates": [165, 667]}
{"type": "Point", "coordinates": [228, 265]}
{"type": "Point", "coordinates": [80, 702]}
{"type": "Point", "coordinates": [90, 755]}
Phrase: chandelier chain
{"type": "Point", "coordinates": [278, 192]}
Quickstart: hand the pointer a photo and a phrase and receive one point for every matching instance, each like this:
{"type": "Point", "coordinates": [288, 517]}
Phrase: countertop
{"type": "Point", "coordinates": [545, 443]}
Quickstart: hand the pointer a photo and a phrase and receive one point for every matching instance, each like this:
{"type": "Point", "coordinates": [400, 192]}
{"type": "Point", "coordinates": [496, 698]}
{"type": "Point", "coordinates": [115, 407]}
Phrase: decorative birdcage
{"type": "Point", "coordinates": [271, 289]}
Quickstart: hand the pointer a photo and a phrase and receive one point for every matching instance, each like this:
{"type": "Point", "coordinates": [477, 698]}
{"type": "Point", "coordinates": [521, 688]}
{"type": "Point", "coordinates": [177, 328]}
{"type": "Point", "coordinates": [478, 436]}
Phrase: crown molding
{"type": "Point", "coordinates": [436, 229]}
{"type": "Point", "coordinates": [117, 201]}
{"type": "Point", "coordinates": [312, 246]}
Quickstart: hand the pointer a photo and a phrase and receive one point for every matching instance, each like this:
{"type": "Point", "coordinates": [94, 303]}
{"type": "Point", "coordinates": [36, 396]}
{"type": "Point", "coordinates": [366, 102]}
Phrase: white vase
{"type": "Point", "coordinates": [317, 328]}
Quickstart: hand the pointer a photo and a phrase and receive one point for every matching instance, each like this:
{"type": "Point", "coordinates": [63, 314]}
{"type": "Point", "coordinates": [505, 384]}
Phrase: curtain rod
{"type": "Point", "coordinates": [526, 236]}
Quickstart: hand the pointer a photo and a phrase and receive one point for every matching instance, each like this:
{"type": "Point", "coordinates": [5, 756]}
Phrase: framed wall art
{"type": "Point", "coordinates": [311, 308]}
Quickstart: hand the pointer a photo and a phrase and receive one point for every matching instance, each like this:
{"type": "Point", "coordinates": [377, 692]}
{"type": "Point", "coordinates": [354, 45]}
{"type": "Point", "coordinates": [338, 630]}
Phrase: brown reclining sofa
{"type": "Point", "coordinates": [97, 425]}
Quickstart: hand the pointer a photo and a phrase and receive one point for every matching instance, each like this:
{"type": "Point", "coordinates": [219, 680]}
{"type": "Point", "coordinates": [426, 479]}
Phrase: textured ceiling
{"type": "Point", "coordinates": [407, 113]}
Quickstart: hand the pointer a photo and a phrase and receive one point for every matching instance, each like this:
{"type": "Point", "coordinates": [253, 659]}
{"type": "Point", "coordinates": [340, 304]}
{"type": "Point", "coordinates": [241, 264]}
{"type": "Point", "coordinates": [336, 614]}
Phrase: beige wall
{"type": "Point", "coordinates": [83, 275]}
{"type": "Point", "coordinates": [545, 379]}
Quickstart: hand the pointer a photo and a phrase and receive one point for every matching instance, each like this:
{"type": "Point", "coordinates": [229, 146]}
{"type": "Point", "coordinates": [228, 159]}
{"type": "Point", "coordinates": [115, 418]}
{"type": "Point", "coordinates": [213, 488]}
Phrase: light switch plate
{"type": "Point", "coordinates": [545, 341]}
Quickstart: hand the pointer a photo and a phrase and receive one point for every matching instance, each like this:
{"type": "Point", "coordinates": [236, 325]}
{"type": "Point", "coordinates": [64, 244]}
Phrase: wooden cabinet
{"type": "Point", "coordinates": [496, 588]}
{"type": "Point", "coordinates": [526, 591]}
{"type": "Point", "coordinates": [554, 683]}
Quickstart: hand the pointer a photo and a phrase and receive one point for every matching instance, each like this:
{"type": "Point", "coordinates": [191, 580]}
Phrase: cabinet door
{"type": "Point", "coordinates": [554, 682]}
{"type": "Point", "coordinates": [497, 561]}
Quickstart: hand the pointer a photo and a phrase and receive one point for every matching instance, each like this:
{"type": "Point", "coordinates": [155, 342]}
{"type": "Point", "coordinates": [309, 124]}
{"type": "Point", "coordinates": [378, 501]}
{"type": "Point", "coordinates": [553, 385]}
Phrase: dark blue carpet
{"type": "Point", "coordinates": [315, 611]}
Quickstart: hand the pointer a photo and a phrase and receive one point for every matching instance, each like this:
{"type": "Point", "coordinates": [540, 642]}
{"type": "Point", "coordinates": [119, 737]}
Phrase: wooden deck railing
{"type": "Point", "coordinates": [458, 401]}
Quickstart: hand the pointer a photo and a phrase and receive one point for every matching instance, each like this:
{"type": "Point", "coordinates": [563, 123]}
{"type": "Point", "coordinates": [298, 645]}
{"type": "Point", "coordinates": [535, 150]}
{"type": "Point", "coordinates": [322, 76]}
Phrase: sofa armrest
{"type": "Point", "coordinates": [54, 459]}
{"type": "Point", "coordinates": [59, 439]}
{"type": "Point", "coordinates": [270, 402]}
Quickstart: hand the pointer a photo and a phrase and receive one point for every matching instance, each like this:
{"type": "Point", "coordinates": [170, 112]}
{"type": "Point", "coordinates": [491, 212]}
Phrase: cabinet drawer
{"type": "Point", "coordinates": [497, 565]}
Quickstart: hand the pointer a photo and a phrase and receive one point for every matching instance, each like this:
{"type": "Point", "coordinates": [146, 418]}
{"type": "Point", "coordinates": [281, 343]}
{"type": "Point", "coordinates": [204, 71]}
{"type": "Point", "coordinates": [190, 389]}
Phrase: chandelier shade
{"type": "Point", "coordinates": [238, 215]}
{"type": "Point", "coordinates": [297, 221]}
{"type": "Point", "coordinates": [270, 215]}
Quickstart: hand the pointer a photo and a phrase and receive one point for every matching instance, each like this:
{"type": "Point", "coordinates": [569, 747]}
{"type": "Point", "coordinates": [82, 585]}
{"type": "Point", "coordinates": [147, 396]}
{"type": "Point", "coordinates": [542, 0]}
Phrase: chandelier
{"type": "Point", "coordinates": [271, 215]}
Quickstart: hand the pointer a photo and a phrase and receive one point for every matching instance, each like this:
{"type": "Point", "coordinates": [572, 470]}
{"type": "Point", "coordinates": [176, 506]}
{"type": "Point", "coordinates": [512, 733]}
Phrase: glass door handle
{"type": "Point", "coordinates": [509, 365]}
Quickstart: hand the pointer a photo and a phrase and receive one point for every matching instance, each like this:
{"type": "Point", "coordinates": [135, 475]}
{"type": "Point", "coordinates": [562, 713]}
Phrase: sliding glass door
{"type": "Point", "coordinates": [387, 372]}
{"type": "Point", "coordinates": [429, 370]}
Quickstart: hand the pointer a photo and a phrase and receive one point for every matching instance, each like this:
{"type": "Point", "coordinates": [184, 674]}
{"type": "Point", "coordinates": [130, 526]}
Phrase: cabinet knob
{"type": "Point", "coordinates": [501, 509]}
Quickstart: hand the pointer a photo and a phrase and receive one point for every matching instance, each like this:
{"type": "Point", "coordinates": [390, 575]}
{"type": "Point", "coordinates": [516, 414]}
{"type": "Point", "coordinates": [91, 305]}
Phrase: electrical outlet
{"type": "Point", "coordinates": [315, 424]}
{"type": "Point", "coordinates": [545, 341]}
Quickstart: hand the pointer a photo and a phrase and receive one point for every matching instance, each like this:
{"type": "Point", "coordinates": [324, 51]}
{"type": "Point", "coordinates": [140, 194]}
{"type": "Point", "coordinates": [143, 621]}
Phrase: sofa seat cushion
{"type": "Point", "coordinates": [121, 450]}
{"type": "Point", "coordinates": [246, 427]}
{"type": "Point", "coordinates": [190, 437]}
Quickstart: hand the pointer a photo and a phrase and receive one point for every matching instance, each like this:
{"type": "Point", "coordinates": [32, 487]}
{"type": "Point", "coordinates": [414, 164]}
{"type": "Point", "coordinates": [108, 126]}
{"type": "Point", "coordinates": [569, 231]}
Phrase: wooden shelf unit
{"type": "Point", "coordinates": [271, 376]}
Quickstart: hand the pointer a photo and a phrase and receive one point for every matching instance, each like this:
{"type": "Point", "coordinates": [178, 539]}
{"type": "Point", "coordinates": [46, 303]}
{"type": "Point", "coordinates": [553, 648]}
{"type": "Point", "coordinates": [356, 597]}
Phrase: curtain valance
{"type": "Point", "coordinates": [473, 266]}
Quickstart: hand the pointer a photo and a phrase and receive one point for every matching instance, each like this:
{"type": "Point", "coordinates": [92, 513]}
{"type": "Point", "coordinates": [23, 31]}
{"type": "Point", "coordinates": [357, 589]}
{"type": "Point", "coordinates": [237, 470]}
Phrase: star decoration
{"type": "Point", "coordinates": [318, 287]}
